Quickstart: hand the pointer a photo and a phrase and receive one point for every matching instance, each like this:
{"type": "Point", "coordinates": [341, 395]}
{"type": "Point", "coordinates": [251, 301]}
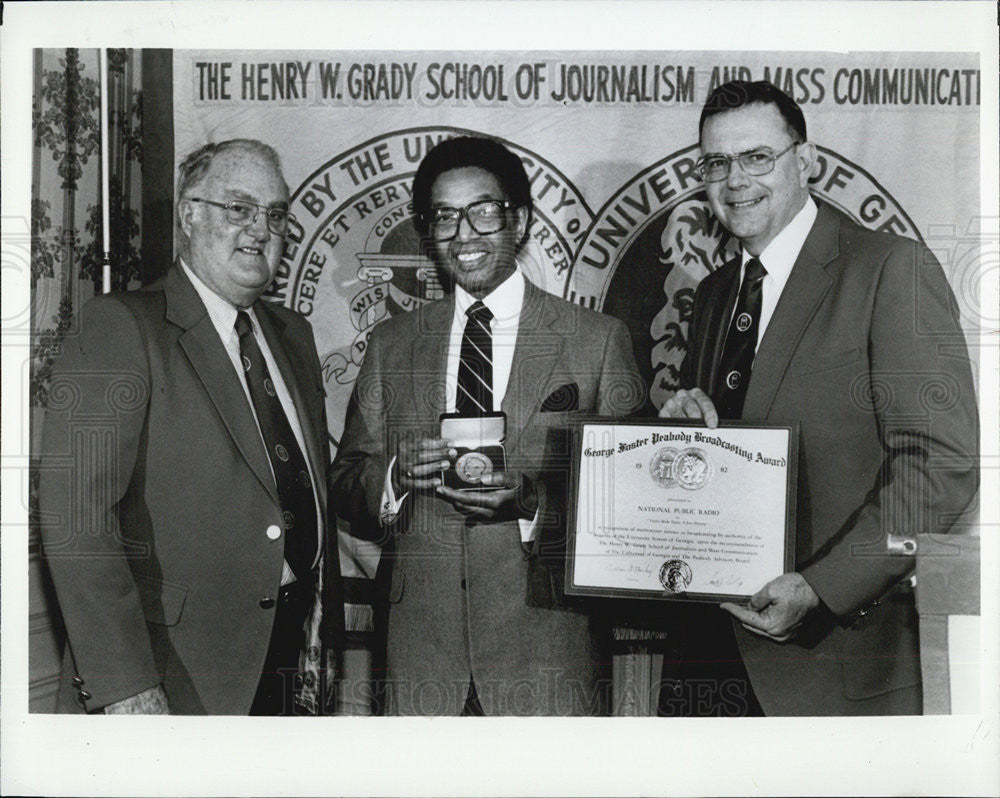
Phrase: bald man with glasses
{"type": "Point", "coordinates": [183, 477]}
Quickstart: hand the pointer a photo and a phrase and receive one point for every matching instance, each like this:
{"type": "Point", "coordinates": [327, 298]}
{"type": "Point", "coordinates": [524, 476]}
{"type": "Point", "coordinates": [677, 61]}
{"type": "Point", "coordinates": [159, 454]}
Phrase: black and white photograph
{"type": "Point", "coordinates": [621, 374]}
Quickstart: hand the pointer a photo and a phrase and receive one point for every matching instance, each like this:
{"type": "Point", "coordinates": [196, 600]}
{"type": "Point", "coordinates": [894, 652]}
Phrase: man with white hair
{"type": "Point", "coordinates": [183, 489]}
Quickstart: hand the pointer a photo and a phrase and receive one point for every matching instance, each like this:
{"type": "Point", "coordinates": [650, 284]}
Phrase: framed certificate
{"type": "Point", "coordinates": [674, 510]}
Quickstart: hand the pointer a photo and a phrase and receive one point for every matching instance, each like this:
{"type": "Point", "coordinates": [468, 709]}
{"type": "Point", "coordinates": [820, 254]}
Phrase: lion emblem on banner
{"type": "Point", "coordinates": [693, 243]}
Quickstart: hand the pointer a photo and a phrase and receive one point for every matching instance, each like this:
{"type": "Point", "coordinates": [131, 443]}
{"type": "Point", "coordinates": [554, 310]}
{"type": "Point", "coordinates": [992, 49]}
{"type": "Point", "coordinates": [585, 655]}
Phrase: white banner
{"type": "Point", "coordinates": [609, 141]}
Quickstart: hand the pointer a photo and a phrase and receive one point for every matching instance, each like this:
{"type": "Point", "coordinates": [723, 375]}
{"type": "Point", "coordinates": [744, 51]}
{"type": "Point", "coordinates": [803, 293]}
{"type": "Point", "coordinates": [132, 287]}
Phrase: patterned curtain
{"type": "Point", "coordinates": [66, 250]}
{"type": "Point", "coordinates": [66, 226]}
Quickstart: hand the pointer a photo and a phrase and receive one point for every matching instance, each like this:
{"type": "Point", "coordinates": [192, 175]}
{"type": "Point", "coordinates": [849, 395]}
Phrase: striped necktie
{"type": "Point", "coordinates": [475, 365]}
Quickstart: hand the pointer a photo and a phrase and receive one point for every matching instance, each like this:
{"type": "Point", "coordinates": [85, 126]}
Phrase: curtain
{"type": "Point", "coordinates": [66, 251]}
{"type": "Point", "coordinates": [66, 226]}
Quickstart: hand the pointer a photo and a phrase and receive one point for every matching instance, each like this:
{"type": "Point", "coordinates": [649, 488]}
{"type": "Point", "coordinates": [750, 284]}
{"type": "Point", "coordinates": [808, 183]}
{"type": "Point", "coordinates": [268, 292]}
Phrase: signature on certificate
{"type": "Point", "coordinates": [633, 568]}
{"type": "Point", "coordinates": [723, 579]}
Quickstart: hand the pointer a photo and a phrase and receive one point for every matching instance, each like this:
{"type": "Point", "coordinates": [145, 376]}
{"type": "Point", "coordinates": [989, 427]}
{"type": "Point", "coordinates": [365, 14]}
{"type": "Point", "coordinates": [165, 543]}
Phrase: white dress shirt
{"type": "Point", "coordinates": [778, 258]}
{"type": "Point", "coordinates": [223, 316]}
{"type": "Point", "coordinates": [504, 303]}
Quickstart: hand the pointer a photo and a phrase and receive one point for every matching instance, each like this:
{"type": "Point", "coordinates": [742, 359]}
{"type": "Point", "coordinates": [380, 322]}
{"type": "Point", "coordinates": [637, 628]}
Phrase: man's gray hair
{"type": "Point", "coordinates": [193, 168]}
{"type": "Point", "coordinates": [195, 165]}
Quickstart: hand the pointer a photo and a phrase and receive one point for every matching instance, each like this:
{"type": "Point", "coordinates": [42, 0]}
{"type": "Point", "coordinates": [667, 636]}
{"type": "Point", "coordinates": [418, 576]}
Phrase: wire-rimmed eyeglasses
{"type": "Point", "coordinates": [243, 213]}
{"type": "Point", "coordinates": [759, 161]}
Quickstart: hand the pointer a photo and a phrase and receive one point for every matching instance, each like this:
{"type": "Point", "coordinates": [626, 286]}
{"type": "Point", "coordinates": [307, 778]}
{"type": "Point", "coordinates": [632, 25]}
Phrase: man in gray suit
{"type": "Point", "coordinates": [478, 622]}
{"type": "Point", "coordinates": [853, 334]}
{"type": "Point", "coordinates": [183, 494]}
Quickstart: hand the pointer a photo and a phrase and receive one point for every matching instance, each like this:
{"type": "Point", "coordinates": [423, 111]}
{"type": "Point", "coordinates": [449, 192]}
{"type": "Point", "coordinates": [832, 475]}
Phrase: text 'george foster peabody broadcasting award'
{"type": "Point", "coordinates": [681, 511]}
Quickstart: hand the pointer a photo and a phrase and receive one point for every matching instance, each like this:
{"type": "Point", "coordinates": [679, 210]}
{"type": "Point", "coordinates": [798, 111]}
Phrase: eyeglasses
{"type": "Point", "coordinates": [485, 217]}
{"type": "Point", "coordinates": [243, 214]}
{"type": "Point", "coordinates": [760, 161]}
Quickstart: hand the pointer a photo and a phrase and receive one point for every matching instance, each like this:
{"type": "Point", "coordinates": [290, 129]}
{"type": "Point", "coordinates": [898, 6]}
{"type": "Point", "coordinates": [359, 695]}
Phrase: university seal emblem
{"type": "Point", "coordinates": [354, 258]}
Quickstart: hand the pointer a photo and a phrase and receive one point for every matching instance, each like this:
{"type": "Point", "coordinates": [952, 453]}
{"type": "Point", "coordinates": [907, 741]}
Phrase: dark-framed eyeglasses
{"type": "Point", "coordinates": [485, 217]}
{"type": "Point", "coordinates": [243, 213]}
{"type": "Point", "coordinates": [759, 161]}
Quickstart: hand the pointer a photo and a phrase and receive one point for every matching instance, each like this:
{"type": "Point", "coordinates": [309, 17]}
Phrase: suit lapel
{"type": "Point", "coordinates": [537, 352]}
{"type": "Point", "coordinates": [429, 356]}
{"type": "Point", "coordinates": [281, 344]}
{"type": "Point", "coordinates": [210, 361]}
{"type": "Point", "coordinates": [807, 284]}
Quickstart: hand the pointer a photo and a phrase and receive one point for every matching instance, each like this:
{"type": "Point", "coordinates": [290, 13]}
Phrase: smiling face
{"type": "Point", "coordinates": [755, 208]}
{"type": "Point", "coordinates": [236, 262]}
{"type": "Point", "coordinates": [478, 263]}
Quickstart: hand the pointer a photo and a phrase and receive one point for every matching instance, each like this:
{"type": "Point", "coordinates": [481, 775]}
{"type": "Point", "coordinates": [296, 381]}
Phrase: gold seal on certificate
{"type": "Point", "coordinates": [680, 511]}
{"type": "Point", "coordinates": [675, 576]}
{"type": "Point", "coordinates": [661, 467]}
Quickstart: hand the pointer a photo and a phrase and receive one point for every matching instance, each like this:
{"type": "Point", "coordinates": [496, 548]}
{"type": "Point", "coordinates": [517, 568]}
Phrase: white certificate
{"type": "Point", "coordinates": [681, 511]}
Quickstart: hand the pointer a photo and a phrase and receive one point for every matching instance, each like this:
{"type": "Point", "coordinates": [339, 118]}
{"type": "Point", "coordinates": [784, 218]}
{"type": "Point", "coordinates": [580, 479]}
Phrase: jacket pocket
{"type": "Point", "coordinates": [162, 602]}
{"type": "Point", "coordinates": [880, 651]}
{"type": "Point", "coordinates": [827, 361]}
{"type": "Point", "coordinates": [564, 399]}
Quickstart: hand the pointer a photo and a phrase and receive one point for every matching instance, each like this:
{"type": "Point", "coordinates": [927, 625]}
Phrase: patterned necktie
{"type": "Point", "coordinates": [475, 365]}
{"type": "Point", "coordinates": [290, 471]}
{"type": "Point", "coordinates": [741, 344]}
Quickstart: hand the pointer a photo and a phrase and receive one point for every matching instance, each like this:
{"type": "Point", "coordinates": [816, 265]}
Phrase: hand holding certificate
{"type": "Point", "coordinates": [665, 510]}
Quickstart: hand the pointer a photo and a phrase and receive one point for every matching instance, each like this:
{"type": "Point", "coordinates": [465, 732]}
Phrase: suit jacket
{"type": "Point", "coordinates": [865, 351]}
{"type": "Point", "coordinates": [157, 500]}
{"type": "Point", "coordinates": [467, 598]}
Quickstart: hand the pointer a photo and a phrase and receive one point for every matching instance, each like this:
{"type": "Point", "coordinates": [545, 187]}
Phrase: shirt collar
{"type": "Point", "coordinates": [221, 311]}
{"type": "Point", "coordinates": [780, 255]}
{"type": "Point", "coordinates": [504, 301]}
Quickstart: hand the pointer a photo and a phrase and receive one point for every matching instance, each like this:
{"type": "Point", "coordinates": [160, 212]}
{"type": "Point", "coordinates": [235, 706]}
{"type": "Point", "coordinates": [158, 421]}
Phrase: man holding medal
{"type": "Point", "coordinates": [474, 528]}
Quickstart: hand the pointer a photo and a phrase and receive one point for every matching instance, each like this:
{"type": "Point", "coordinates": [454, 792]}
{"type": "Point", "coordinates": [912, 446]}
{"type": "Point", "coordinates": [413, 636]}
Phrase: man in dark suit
{"type": "Point", "coordinates": [854, 334]}
{"type": "Point", "coordinates": [184, 456]}
{"type": "Point", "coordinates": [478, 622]}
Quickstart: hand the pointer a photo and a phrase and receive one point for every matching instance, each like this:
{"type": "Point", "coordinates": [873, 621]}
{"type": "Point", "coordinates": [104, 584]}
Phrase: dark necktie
{"type": "Point", "coordinates": [475, 365]}
{"type": "Point", "coordinates": [741, 344]}
{"type": "Point", "coordinates": [290, 471]}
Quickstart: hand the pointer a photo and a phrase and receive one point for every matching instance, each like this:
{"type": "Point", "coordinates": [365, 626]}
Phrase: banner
{"type": "Point", "coordinates": [609, 141]}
